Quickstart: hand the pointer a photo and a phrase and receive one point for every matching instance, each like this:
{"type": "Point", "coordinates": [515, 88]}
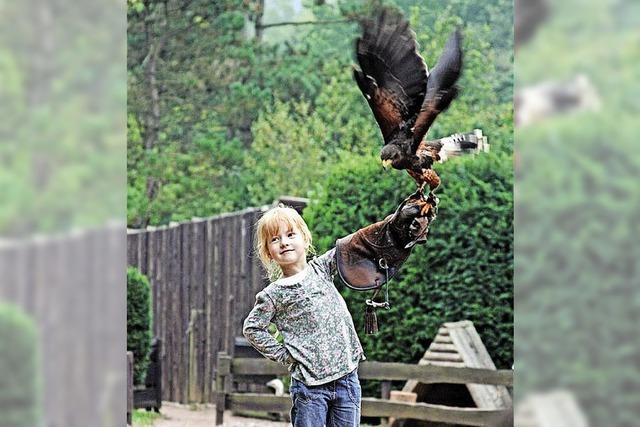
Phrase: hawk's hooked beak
{"type": "Point", "coordinates": [386, 163]}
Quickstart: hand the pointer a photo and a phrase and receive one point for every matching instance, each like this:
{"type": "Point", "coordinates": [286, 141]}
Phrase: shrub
{"type": "Point", "coordinates": [20, 381]}
{"type": "Point", "coordinates": [138, 322]}
{"type": "Point", "coordinates": [465, 269]}
{"type": "Point", "coordinates": [577, 263]}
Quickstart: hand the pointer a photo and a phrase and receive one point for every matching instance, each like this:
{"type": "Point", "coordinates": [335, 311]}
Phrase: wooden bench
{"type": "Point", "coordinates": [229, 367]}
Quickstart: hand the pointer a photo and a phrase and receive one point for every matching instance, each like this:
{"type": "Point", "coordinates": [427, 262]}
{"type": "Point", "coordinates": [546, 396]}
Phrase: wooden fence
{"type": "Point", "coordinates": [229, 367]}
{"type": "Point", "coordinates": [73, 286]}
{"type": "Point", "coordinates": [204, 278]}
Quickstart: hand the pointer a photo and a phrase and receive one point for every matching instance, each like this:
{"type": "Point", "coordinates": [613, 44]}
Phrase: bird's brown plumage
{"type": "Point", "coordinates": [404, 97]}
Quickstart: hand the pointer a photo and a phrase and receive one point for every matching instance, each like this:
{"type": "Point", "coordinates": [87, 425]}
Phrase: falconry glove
{"type": "Point", "coordinates": [371, 256]}
{"type": "Point", "coordinates": [368, 258]}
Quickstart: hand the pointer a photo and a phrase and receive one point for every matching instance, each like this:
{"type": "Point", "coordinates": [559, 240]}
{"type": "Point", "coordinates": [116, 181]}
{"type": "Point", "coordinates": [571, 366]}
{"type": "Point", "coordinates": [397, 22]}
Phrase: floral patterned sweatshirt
{"type": "Point", "coordinates": [320, 341]}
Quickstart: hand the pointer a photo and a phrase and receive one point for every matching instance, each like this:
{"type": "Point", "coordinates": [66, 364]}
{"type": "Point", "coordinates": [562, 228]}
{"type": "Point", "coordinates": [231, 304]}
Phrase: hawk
{"type": "Point", "coordinates": [404, 96]}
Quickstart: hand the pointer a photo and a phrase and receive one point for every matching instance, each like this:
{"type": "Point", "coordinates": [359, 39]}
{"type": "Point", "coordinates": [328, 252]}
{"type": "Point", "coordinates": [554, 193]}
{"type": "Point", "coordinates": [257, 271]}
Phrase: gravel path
{"type": "Point", "coordinates": [176, 415]}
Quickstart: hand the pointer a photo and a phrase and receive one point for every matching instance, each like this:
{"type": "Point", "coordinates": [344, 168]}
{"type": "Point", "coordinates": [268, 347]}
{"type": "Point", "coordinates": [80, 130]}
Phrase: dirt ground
{"type": "Point", "coordinates": [175, 415]}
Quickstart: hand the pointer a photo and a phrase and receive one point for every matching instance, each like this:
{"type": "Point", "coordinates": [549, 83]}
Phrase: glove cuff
{"type": "Point", "coordinates": [371, 256]}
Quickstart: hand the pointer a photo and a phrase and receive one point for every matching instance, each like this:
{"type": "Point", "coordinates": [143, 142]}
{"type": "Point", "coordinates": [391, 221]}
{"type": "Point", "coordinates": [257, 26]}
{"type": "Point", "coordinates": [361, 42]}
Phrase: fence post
{"type": "Point", "coordinates": [385, 392]}
{"type": "Point", "coordinates": [222, 384]}
{"type": "Point", "coordinates": [129, 387]}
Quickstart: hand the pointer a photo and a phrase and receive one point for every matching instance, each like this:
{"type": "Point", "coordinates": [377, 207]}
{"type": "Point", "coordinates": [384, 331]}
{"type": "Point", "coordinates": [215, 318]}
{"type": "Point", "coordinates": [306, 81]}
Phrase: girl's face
{"type": "Point", "coordinates": [288, 248]}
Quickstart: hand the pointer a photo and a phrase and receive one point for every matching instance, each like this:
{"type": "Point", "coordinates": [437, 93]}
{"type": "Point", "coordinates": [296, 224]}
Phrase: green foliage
{"type": "Point", "coordinates": [207, 101]}
{"type": "Point", "coordinates": [62, 153]}
{"type": "Point", "coordinates": [575, 269]}
{"type": "Point", "coordinates": [463, 272]}
{"type": "Point", "coordinates": [577, 216]}
{"type": "Point", "coordinates": [294, 145]}
{"type": "Point", "coordinates": [144, 418]}
{"type": "Point", "coordinates": [138, 322]}
{"type": "Point", "coordinates": [188, 181]}
{"type": "Point", "coordinates": [259, 104]}
{"type": "Point", "coordinates": [20, 382]}
{"type": "Point", "coordinates": [286, 152]}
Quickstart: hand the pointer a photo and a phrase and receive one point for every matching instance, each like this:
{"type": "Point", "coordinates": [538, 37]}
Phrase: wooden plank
{"type": "Point", "coordinates": [469, 345]}
{"type": "Point", "coordinates": [85, 314]}
{"type": "Point", "coordinates": [164, 306]}
{"type": "Point", "coordinates": [223, 367]}
{"type": "Point", "coordinates": [149, 269]}
{"type": "Point", "coordinates": [67, 323]}
{"type": "Point", "coordinates": [244, 297]}
{"type": "Point", "coordinates": [443, 340]}
{"type": "Point", "coordinates": [447, 357]}
{"type": "Point", "coordinates": [142, 252]}
{"type": "Point", "coordinates": [433, 374]}
{"type": "Point", "coordinates": [193, 301]}
{"type": "Point", "coordinates": [258, 402]}
{"type": "Point", "coordinates": [176, 322]}
{"type": "Point", "coordinates": [50, 323]}
{"type": "Point", "coordinates": [244, 300]}
{"type": "Point", "coordinates": [6, 267]}
{"type": "Point", "coordinates": [377, 408]}
{"type": "Point", "coordinates": [427, 374]}
{"type": "Point", "coordinates": [167, 254]}
{"type": "Point", "coordinates": [430, 412]}
{"type": "Point", "coordinates": [132, 248]}
{"type": "Point", "coordinates": [258, 273]}
{"type": "Point", "coordinates": [400, 396]}
{"type": "Point", "coordinates": [446, 363]}
{"type": "Point", "coordinates": [201, 229]}
{"type": "Point", "coordinates": [192, 373]}
{"type": "Point", "coordinates": [236, 283]}
{"type": "Point", "coordinates": [197, 303]}
{"type": "Point", "coordinates": [185, 309]}
{"type": "Point", "coordinates": [110, 261]}
{"type": "Point", "coordinates": [28, 284]}
{"type": "Point", "coordinates": [230, 330]}
{"type": "Point", "coordinates": [385, 389]}
{"type": "Point", "coordinates": [208, 308]}
{"type": "Point", "coordinates": [153, 241]}
{"type": "Point", "coordinates": [217, 309]}
{"type": "Point", "coordinates": [556, 408]}
{"type": "Point", "coordinates": [224, 283]}
{"type": "Point", "coordinates": [228, 258]}
{"type": "Point", "coordinates": [21, 269]}
{"type": "Point", "coordinates": [445, 348]}
{"type": "Point", "coordinates": [475, 354]}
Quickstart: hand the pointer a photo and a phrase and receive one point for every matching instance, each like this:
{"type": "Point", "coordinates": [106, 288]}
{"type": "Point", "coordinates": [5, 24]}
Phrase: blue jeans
{"type": "Point", "coordinates": [334, 404]}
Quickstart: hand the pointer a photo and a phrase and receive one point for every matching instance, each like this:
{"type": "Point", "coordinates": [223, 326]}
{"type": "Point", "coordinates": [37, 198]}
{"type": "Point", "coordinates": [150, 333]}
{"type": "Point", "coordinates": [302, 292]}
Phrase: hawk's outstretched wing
{"type": "Point", "coordinates": [441, 89]}
{"type": "Point", "coordinates": [392, 75]}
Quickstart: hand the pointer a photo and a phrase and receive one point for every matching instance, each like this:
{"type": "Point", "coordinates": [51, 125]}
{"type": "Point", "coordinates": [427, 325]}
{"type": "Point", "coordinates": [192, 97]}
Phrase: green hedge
{"type": "Point", "coordinates": [464, 271]}
{"type": "Point", "coordinates": [138, 322]}
{"type": "Point", "coordinates": [577, 264]}
{"type": "Point", "coordinates": [20, 382]}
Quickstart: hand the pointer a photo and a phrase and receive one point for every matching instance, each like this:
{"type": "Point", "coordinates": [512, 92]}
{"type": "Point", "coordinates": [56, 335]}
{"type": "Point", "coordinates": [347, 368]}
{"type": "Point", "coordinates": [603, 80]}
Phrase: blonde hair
{"type": "Point", "coordinates": [268, 225]}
